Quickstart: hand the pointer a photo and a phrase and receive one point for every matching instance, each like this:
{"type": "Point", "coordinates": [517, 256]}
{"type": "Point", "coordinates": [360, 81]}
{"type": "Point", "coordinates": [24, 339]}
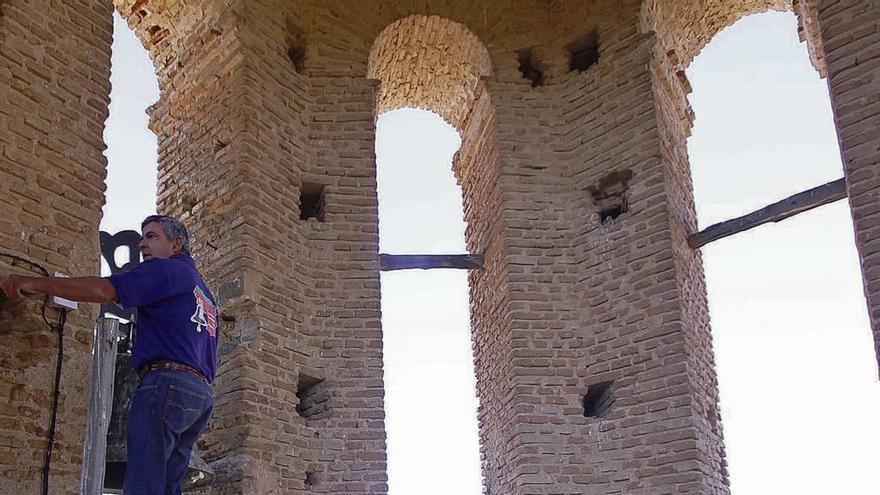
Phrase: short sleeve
{"type": "Point", "coordinates": [146, 283]}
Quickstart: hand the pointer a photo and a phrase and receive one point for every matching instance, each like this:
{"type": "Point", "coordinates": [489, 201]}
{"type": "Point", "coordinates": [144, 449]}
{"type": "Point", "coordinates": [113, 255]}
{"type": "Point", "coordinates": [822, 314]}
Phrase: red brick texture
{"type": "Point", "coordinates": [264, 100]}
{"type": "Point", "coordinates": [850, 33]}
{"type": "Point", "coordinates": [54, 92]}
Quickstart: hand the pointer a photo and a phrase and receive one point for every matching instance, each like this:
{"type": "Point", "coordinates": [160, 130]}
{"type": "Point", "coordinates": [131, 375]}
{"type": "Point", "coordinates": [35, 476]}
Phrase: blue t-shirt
{"type": "Point", "coordinates": [177, 316]}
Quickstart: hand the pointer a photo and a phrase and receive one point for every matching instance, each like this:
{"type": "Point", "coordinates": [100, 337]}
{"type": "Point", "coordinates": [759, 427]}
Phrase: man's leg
{"type": "Point", "coordinates": [188, 407]}
{"type": "Point", "coordinates": [146, 458]}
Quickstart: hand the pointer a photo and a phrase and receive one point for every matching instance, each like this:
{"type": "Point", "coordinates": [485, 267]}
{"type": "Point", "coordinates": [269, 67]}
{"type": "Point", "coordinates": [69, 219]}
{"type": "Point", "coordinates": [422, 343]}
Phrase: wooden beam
{"type": "Point", "coordinates": [788, 207]}
{"type": "Point", "coordinates": [100, 406]}
{"type": "Point", "coordinates": [391, 262]}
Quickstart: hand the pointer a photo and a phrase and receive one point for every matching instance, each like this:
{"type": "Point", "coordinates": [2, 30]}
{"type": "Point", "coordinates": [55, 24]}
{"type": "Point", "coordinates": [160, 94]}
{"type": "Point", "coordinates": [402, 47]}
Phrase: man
{"type": "Point", "coordinates": [174, 352]}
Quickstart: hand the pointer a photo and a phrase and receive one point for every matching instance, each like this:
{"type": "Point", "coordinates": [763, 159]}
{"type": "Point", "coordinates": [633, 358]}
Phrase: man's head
{"type": "Point", "coordinates": [163, 237]}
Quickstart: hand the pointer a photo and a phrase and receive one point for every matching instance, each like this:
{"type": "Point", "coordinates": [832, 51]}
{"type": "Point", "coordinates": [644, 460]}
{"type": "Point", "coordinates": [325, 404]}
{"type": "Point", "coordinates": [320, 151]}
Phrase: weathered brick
{"type": "Point", "coordinates": [564, 301]}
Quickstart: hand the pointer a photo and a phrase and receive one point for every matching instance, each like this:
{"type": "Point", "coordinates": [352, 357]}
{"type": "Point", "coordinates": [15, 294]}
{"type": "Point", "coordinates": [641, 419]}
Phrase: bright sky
{"type": "Point", "coordinates": [796, 368]}
{"type": "Point", "coordinates": [799, 392]}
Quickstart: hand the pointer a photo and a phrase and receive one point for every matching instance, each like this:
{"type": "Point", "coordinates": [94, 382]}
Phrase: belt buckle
{"type": "Point", "coordinates": [153, 366]}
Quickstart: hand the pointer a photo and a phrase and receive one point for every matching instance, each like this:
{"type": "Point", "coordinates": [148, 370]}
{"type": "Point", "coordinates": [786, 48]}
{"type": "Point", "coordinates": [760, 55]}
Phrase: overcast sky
{"type": "Point", "coordinates": [800, 397]}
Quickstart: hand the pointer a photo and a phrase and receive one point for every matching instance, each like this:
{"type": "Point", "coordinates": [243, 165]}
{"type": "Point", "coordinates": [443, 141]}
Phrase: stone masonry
{"type": "Point", "coordinates": [54, 92]}
{"type": "Point", "coordinates": [590, 325]}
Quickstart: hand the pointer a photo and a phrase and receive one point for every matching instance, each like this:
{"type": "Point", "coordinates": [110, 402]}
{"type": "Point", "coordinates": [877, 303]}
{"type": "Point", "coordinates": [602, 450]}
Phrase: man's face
{"type": "Point", "coordinates": [155, 244]}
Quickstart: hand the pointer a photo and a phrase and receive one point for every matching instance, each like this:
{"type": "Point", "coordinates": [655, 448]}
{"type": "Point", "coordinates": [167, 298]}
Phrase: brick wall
{"type": "Point", "coordinates": [562, 303]}
{"type": "Point", "coordinates": [692, 320]}
{"type": "Point", "coordinates": [568, 303]}
{"type": "Point", "coordinates": [257, 117]}
{"type": "Point", "coordinates": [265, 100]}
{"type": "Point", "coordinates": [851, 36]}
{"type": "Point", "coordinates": [54, 92]}
{"type": "Point", "coordinates": [686, 26]}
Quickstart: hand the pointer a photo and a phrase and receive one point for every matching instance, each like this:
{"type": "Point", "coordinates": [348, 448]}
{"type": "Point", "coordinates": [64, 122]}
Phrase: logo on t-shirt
{"type": "Point", "coordinates": [205, 316]}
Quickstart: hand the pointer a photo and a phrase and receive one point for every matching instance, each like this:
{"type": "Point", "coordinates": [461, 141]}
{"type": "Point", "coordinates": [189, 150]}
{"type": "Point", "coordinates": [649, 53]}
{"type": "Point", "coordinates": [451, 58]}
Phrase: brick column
{"type": "Point", "coordinates": [252, 130]}
{"type": "Point", "coordinates": [850, 31]}
{"type": "Point", "coordinates": [593, 350]}
{"type": "Point", "coordinates": [54, 92]}
{"type": "Point", "coordinates": [571, 313]}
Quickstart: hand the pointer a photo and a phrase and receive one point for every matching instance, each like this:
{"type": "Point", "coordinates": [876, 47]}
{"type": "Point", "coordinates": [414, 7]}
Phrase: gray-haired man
{"type": "Point", "coordinates": [175, 351]}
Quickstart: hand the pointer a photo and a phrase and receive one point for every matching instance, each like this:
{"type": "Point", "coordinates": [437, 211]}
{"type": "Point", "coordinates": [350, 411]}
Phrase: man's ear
{"type": "Point", "coordinates": [178, 245]}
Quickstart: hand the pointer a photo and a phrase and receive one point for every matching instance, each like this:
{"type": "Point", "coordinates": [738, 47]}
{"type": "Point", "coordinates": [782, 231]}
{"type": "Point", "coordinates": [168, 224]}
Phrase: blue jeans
{"type": "Point", "coordinates": [169, 410]}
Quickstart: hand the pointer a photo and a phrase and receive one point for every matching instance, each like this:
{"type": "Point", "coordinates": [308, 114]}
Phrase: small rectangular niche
{"type": "Point", "coordinates": [314, 397]}
{"type": "Point", "coordinates": [584, 51]}
{"type": "Point", "coordinates": [297, 55]}
{"type": "Point", "coordinates": [529, 67]}
{"type": "Point", "coordinates": [598, 400]}
{"type": "Point", "coordinates": [610, 195]}
{"type": "Point", "coordinates": [310, 480]}
{"type": "Point", "coordinates": [296, 46]}
{"type": "Point", "coordinates": [312, 201]}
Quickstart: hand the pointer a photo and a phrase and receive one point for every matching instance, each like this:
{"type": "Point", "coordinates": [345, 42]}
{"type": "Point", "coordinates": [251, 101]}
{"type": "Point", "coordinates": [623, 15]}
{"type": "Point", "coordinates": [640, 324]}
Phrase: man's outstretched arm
{"type": "Point", "coordinates": [82, 289]}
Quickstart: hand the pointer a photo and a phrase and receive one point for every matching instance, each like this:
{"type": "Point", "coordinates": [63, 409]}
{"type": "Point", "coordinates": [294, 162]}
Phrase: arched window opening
{"type": "Point", "coordinates": [130, 195]}
{"type": "Point", "coordinates": [430, 403]}
{"type": "Point", "coordinates": [132, 149]}
{"type": "Point", "coordinates": [431, 63]}
{"type": "Point", "coordinates": [792, 339]}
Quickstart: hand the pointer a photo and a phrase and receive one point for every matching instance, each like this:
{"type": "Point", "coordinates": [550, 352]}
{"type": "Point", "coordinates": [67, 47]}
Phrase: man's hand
{"type": "Point", "coordinates": [16, 287]}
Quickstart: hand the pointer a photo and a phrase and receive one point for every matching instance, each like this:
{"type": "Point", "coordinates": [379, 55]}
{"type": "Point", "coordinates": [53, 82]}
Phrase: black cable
{"type": "Point", "coordinates": [62, 320]}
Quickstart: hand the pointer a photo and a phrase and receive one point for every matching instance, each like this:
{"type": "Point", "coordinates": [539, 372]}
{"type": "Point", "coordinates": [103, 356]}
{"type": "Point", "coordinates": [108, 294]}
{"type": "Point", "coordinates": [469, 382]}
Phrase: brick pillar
{"type": "Point", "coordinates": [263, 103]}
{"type": "Point", "coordinates": [54, 92]}
{"type": "Point", "coordinates": [850, 31]}
{"type": "Point", "coordinates": [570, 307]}
{"type": "Point", "coordinates": [248, 124]}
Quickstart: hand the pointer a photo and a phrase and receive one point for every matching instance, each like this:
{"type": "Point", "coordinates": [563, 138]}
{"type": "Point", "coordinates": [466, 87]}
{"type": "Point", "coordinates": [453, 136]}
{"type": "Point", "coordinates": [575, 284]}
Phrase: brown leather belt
{"type": "Point", "coordinates": [169, 365]}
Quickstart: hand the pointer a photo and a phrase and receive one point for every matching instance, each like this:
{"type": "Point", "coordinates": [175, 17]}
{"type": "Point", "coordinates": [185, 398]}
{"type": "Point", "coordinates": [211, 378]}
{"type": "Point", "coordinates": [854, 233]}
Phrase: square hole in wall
{"type": "Point", "coordinates": [611, 212]}
{"type": "Point", "coordinates": [297, 55]}
{"type": "Point", "coordinates": [312, 201]}
{"type": "Point", "coordinates": [598, 400]}
{"type": "Point", "coordinates": [584, 51]}
{"type": "Point", "coordinates": [296, 45]}
{"type": "Point", "coordinates": [610, 195]}
{"type": "Point", "coordinates": [310, 480]}
{"type": "Point", "coordinates": [529, 67]}
{"type": "Point", "coordinates": [313, 396]}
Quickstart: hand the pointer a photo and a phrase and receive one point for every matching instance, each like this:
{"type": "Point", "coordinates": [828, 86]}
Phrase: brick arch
{"type": "Point", "coordinates": [431, 63]}
{"type": "Point", "coordinates": [683, 29]}
{"type": "Point", "coordinates": [153, 23]}
{"type": "Point", "coordinates": [686, 27]}
{"type": "Point", "coordinates": [407, 58]}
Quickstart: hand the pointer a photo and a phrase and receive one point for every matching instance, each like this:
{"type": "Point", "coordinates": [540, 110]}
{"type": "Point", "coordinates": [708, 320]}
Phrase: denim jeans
{"type": "Point", "coordinates": [169, 410]}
